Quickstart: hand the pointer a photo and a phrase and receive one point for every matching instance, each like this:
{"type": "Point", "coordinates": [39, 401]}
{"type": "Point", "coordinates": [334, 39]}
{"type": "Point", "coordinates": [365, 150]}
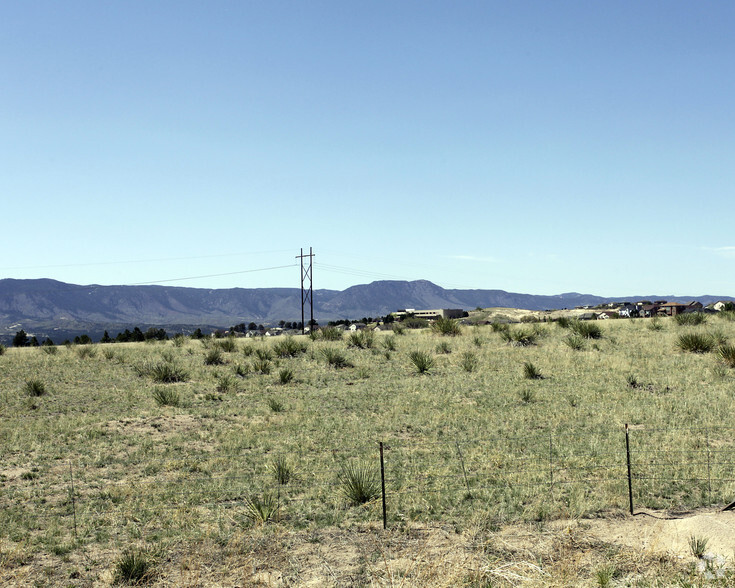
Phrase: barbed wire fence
{"type": "Point", "coordinates": [160, 488]}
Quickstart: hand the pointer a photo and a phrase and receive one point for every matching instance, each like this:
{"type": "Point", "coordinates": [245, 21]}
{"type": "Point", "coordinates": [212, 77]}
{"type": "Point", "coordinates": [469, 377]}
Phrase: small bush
{"type": "Point", "coordinates": [166, 396]}
{"type": "Point", "coordinates": [289, 347]}
{"type": "Point", "coordinates": [499, 327]}
{"type": "Point", "coordinates": [247, 350]}
{"type": "Point", "coordinates": [477, 341]}
{"type": "Point", "coordinates": [698, 545]}
{"type": "Point", "coordinates": [527, 396]}
{"type": "Point", "coordinates": [469, 361]}
{"type": "Point", "coordinates": [359, 483]}
{"type": "Point", "coordinates": [361, 339]}
{"type": "Point", "coordinates": [262, 366]}
{"type": "Point", "coordinates": [519, 337]}
{"type": "Point", "coordinates": [3, 349]}
{"type": "Point", "coordinates": [226, 383]}
{"type": "Point", "coordinates": [444, 348]}
{"type": "Point", "coordinates": [422, 361]}
{"type": "Point", "coordinates": [531, 372]}
{"type": "Point", "coordinates": [563, 322]}
{"type": "Point", "coordinates": [179, 340]}
{"type": "Point", "coordinates": [108, 354]}
{"type": "Point", "coordinates": [35, 387]}
{"type": "Point", "coordinates": [228, 345]}
{"type": "Point", "coordinates": [696, 342]}
{"type": "Point", "coordinates": [282, 470]}
{"type": "Point", "coordinates": [242, 370]}
{"type": "Point", "coordinates": [285, 376]}
{"type": "Point", "coordinates": [214, 357]}
{"type": "Point", "coordinates": [586, 329]}
{"type": "Point", "coordinates": [632, 381]}
{"type": "Point", "coordinates": [276, 405]}
{"type": "Point", "coordinates": [398, 329]}
{"type": "Point", "coordinates": [389, 343]}
{"type": "Point", "coordinates": [574, 341]}
{"type": "Point", "coordinates": [336, 358]}
{"type": "Point", "coordinates": [48, 349]}
{"type": "Point", "coordinates": [727, 354]}
{"type": "Point", "coordinates": [264, 354]}
{"type": "Point", "coordinates": [690, 319]}
{"type": "Point", "coordinates": [261, 509]}
{"type": "Point", "coordinates": [85, 351]}
{"type": "Point", "coordinates": [162, 372]}
{"type": "Point", "coordinates": [133, 567]}
{"type": "Point", "coordinates": [446, 327]}
{"type": "Point", "coordinates": [656, 324]}
{"type": "Point", "coordinates": [330, 334]}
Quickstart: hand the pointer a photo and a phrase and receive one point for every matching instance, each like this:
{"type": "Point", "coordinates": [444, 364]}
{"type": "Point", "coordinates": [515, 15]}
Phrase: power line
{"type": "Point", "coordinates": [262, 269]}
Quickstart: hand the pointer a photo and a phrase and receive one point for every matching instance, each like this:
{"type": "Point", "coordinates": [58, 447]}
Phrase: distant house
{"type": "Point", "coordinates": [356, 327]}
{"type": "Point", "coordinates": [607, 314]}
{"type": "Point", "coordinates": [447, 313]}
{"type": "Point", "coordinates": [587, 316]}
{"type": "Point", "coordinates": [628, 311]}
{"type": "Point", "coordinates": [648, 310]}
{"type": "Point", "coordinates": [672, 308]}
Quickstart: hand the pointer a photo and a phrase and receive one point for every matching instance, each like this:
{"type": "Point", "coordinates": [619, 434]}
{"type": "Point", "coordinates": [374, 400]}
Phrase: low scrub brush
{"type": "Point", "coordinates": [696, 342]}
{"type": "Point", "coordinates": [446, 326]}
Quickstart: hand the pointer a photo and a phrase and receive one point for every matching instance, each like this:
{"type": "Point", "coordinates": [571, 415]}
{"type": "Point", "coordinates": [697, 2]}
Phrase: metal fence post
{"type": "Point", "coordinates": [382, 484]}
{"type": "Point", "coordinates": [630, 478]}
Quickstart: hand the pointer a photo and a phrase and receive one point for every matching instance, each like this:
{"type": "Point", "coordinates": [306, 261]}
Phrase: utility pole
{"type": "Point", "coordinates": [306, 274]}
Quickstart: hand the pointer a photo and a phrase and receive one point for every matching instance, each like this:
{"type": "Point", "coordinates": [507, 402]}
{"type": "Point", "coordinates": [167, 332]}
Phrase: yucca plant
{"type": "Point", "coordinates": [263, 354]}
{"type": "Point", "coordinates": [446, 327]}
{"type": "Point", "coordinates": [359, 483]}
{"type": "Point", "coordinates": [166, 396]}
{"type": "Point", "coordinates": [226, 383]}
{"type": "Point", "coordinates": [35, 387]}
{"type": "Point", "coordinates": [696, 342]}
{"type": "Point", "coordinates": [85, 351]}
{"type": "Point", "coordinates": [214, 357]}
{"type": "Point", "coordinates": [242, 370]}
{"type": "Point", "coordinates": [276, 405]}
{"type": "Point", "coordinates": [389, 343]}
{"type": "Point", "coordinates": [690, 319]}
{"type": "Point", "coordinates": [586, 329]}
{"type": "Point", "coordinates": [519, 337]}
{"type": "Point", "coordinates": [531, 372]}
{"type": "Point", "coordinates": [261, 509]}
{"type": "Point", "coordinates": [282, 470]}
{"type": "Point", "coordinates": [162, 372]}
{"type": "Point", "coordinates": [336, 358]}
{"type": "Point", "coordinates": [228, 345]}
{"type": "Point", "coordinates": [563, 322]}
{"type": "Point", "coordinates": [469, 361]}
{"type": "Point", "coordinates": [444, 348]}
{"type": "Point", "coordinates": [134, 567]}
{"type": "Point", "coordinates": [361, 339]}
{"type": "Point", "coordinates": [698, 545]}
{"type": "Point", "coordinates": [179, 340]}
{"type": "Point", "coordinates": [108, 354]}
{"type": "Point", "coordinates": [727, 354]}
{"type": "Point", "coordinates": [285, 376]}
{"type": "Point", "coordinates": [574, 341]}
{"type": "Point", "coordinates": [330, 334]}
{"type": "Point", "coordinates": [262, 366]}
{"type": "Point", "coordinates": [422, 361]}
{"type": "Point", "coordinates": [289, 347]}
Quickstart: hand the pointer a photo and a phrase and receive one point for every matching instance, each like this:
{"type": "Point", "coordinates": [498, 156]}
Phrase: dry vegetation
{"type": "Point", "coordinates": [255, 462]}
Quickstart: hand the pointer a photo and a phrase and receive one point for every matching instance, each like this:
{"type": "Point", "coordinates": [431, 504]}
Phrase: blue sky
{"type": "Point", "coordinates": [538, 147]}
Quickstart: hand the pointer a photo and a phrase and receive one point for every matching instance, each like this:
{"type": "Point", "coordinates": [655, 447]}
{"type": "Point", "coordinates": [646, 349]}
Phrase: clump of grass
{"type": "Point", "coordinates": [247, 350]}
{"type": "Point", "coordinates": [574, 341]}
{"type": "Point", "coordinates": [35, 387]}
{"type": "Point", "coordinates": [527, 396]}
{"type": "Point", "coordinates": [690, 319]}
{"type": "Point", "coordinates": [389, 343]}
{"type": "Point", "coordinates": [289, 347]}
{"type": "Point", "coordinates": [330, 334]}
{"type": "Point", "coordinates": [262, 366]}
{"type": "Point", "coordinates": [632, 381]}
{"type": "Point", "coordinates": [469, 361]}
{"type": "Point", "coordinates": [285, 376]}
{"type": "Point", "coordinates": [134, 567]}
{"type": "Point", "coordinates": [498, 327]}
{"type": "Point", "coordinates": [605, 576]}
{"type": "Point", "coordinates": [444, 347]}
{"type": "Point", "coordinates": [727, 315]}
{"type": "Point", "coordinates": [85, 351]}
{"type": "Point", "coordinates": [477, 341]}
{"type": "Point", "coordinates": [359, 483]}
{"type": "Point", "coordinates": [276, 405]}
{"type": "Point", "coordinates": [563, 322]}
{"type": "Point", "coordinates": [422, 361]}
{"type": "Point", "coordinates": [586, 329]}
{"type": "Point", "coordinates": [282, 470]}
{"type": "Point", "coordinates": [3, 349]}
{"type": "Point", "coordinates": [696, 342]}
{"type": "Point", "coordinates": [727, 354]}
{"type": "Point", "coordinates": [162, 372]}
{"type": "Point", "coordinates": [263, 354]}
{"type": "Point", "coordinates": [446, 327]}
{"type": "Point", "coordinates": [336, 358]}
{"type": "Point", "coordinates": [261, 509]}
{"type": "Point", "coordinates": [166, 396]}
{"type": "Point", "coordinates": [531, 372]}
{"type": "Point", "coordinates": [214, 357]}
{"type": "Point", "coordinates": [698, 545]}
{"type": "Point", "coordinates": [361, 339]}
{"type": "Point", "coordinates": [179, 340]}
{"type": "Point", "coordinates": [228, 345]}
{"type": "Point", "coordinates": [108, 354]}
{"type": "Point", "coordinates": [242, 370]}
{"type": "Point", "coordinates": [656, 324]}
{"type": "Point", "coordinates": [519, 337]}
{"type": "Point", "coordinates": [399, 329]}
{"type": "Point", "coordinates": [226, 383]}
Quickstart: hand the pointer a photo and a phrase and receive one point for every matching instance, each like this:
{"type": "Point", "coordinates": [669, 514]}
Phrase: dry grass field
{"type": "Point", "coordinates": [233, 462]}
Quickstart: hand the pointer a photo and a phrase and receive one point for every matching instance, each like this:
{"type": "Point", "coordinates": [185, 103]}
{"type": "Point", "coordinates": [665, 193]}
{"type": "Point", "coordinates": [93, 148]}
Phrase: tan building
{"type": "Point", "coordinates": [447, 313]}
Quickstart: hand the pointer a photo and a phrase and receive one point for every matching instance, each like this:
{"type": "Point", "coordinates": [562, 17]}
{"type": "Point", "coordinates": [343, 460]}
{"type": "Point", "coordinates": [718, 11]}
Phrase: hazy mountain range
{"type": "Point", "coordinates": [56, 309]}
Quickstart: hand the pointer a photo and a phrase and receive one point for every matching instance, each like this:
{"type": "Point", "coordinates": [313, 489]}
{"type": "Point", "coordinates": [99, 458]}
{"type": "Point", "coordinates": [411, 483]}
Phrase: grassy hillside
{"type": "Point", "coordinates": [233, 455]}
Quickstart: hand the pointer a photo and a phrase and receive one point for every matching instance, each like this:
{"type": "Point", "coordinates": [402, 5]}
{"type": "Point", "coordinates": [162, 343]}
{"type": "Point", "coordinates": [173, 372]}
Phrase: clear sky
{"type": "Point", "coordinates": [532, 146]}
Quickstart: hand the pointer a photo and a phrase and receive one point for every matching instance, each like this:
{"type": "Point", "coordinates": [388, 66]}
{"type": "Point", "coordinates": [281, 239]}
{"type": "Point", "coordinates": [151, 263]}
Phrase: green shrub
{"type": "Point", "coordinates": [656, 324]}
{"type": "Point", "coordinates": [262, 366]}
{"type": "Point", "coordinates": [563, 322]}
{"type": "Point", "coordinates": [85, 351]}
{"type": "Point", "coordinates": [108, 354]}
{"type": "Point", "coordinates": [727, 354]}
{"type": "Point", "coordinates": [35, 387]}
{"type": "Point", "coordinates": [531, 372]}
{"type": "Point", "coordinates": [276, 405]}
{"type": "Point", "coordinates": [336, 358]}
{"type": "Point", "coordinates": [415, 323]}
{"type": "Point", "coordinates": [179, 340]}
{"type": "Point", "coordinates": [690, 319]}
{"type": "Point", "coordinates": [361, 339]}
{"type": "Point", "coordinates": [289, 347]}
{"type": "Point", "coordinates": [422, 361]}
{"type": "Point", "coordinates": [134, 567]}
{"type": "Point", "coordinates": [247, 350]}
{"type": "Point", "coordinates": [446, 327]}
{"type": "Point", "coordinates": [586, 329]}
{"type": "Point", "coordinates": [696, 342]}
{"type": "Point", "coordinates": [162, 372]}
{"type": "Point", "coordinates": [389, 343]}
{"type": "Point", "coordinates": [261, 509]}
{"type": "Point", "coordinates": [520, 337]}
{"type": "Point", "coordinates": [263, 354]}
{"type": "Point", "coordinates": [166, 396]}
{"type": "Point", "coordinates": [3, 349]}
{"type": "Point", "coordinates": [242, 370]}
{"type": "Point", "coordinates": [214, 357]}
{"type": "Point", "coordinates": [330, 334]}
{"type": "Point", "coordinates": [359, 483]}
{"type": "Point", "coordinates": [285, 376]}
{"type": "Point", "coordinates": [574, 341]}
{"type": "Point", "coordinates": [226, 383]}
{"type": "Point", "coordinates": [228, 345]}
{"type": "Point", "coordinates": [444, 347]}
{"type": "Point", "coordinates": [398, 329]}
{"type": "Point", "coordinates": [282, 470]}
{"type": "Point", "coordinates": [469, 361]}
{"type": "Point", "coordinates": [48, 349]}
